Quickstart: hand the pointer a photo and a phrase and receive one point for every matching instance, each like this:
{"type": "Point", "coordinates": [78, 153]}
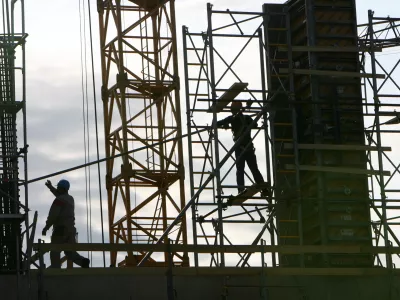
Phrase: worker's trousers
{"type": "Point", "coordinates": [248, 156]}
{"type": "Point", "coordinates": [61, 235]}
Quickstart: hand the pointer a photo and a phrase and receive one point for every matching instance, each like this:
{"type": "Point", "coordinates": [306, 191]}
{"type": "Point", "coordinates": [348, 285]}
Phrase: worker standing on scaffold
{"type": "Point", "coordinates": [244, 152]}
{"type": "Point", "coordinates": [62, 218]}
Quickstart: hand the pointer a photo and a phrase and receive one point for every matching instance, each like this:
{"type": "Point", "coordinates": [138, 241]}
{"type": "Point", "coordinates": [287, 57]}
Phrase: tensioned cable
{"type": "Point", "coordinates": [89, 180]}
{"type": "Point", "coordinates": [96, 129]}
{"type": "Point", "coordinates": [111, 157]}
{"type": "Point", "coordinates": [84, 94]}
{"type": "Point", "coordinates": [86, 121]}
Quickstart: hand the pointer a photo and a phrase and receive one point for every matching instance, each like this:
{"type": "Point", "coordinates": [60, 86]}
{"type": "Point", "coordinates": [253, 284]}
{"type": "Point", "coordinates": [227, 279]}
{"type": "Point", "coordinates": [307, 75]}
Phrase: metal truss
{"type": "Point", "coordinates": [221, 64]}
{"type": "Point", "coordinates": [381, 37]}
{"type": "Point", "coordinates": [141, 103]}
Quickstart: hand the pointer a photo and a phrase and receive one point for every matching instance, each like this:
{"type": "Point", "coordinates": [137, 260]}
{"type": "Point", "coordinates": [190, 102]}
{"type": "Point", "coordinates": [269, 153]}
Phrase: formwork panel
{"type": "Point", "coordinates": [332, 203]}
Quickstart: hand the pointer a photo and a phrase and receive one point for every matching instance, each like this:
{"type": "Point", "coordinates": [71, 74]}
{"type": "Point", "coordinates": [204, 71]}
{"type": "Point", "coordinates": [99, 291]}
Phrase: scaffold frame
{"type": "Point", "coordinates": [366, 45]}
{"type": "Point", "coordinates": [381, 33]}
{"type": "Point", "coordinates": [218, 200]}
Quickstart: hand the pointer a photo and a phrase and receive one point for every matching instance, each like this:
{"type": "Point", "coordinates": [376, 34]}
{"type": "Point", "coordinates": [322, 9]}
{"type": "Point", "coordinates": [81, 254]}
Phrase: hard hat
{"type": "Point", "coordinates": [63, 184]}
{"type": "Point", "coordinates": [236, 106]}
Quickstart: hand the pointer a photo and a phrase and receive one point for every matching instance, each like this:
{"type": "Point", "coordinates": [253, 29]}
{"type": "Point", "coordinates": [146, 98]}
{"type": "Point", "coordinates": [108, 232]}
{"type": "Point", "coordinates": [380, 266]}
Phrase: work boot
{"type": "Point", "coordinates": [85, 263]}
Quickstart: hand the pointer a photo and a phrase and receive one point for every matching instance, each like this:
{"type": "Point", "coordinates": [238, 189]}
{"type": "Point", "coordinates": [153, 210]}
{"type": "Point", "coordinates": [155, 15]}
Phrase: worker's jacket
{"type": "Point", "coordinates": [62, 213]}
{"type": "Point", "coordinates": [238, 123]}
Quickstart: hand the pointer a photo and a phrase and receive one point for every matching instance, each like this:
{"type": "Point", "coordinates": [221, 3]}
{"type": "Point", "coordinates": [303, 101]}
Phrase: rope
{"type": "Point", "coordinates": [97, 131]}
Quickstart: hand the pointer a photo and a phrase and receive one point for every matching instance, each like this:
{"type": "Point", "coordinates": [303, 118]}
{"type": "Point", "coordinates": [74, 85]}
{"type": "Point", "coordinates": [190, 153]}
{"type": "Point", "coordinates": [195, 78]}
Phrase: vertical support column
{"type": "Point", "coordinates": [266, 135]}
{"type": "Point", "coordinates": [271, 113]}
{"type": "Point", "coordinates": [106, 114]}
{"type": "Point", "coordinates": [190, 151]}
{"type": "Point", "coordinates": [378, 139]}
{"type": "Point", "coordinates": [220, 229]}
{"type": "Point", "coordinates": [122, 85]}
{"type": "Point", "coordinates": [25, 133]}
{"type": "Point", "coordinates": [181, 166]}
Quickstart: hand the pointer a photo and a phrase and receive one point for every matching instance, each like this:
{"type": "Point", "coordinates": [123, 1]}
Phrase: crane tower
{"type": "Point", "coordinates": [140, 93]}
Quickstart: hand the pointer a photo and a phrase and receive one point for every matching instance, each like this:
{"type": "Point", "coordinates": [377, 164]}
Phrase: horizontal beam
{"type": "Point", "coordinates": [336, 147]}
{"type": "Point", "coordinates": [338, 170]}
{"type": "Point", "coordinates": [215, 248]}
{"type": "Point", "coordinates": [9, 218]}
{"type": "Point", "coordinates": [11, 107]}
{"type": "Point", "coordinates": [329, 49]}
{"type": "Point", "coordinates": [12, 216]}
{"type": "Point", "coordinates": [331, 73]}
{"type": "Point", "coordinates": [214, 271]}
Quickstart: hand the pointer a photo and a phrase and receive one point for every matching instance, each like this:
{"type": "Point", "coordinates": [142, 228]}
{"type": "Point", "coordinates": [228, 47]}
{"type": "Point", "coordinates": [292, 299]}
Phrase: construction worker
{"type": "Point", "coordinates": [62, 218]}
{"type": "Point", "coordinates": [244, 152]}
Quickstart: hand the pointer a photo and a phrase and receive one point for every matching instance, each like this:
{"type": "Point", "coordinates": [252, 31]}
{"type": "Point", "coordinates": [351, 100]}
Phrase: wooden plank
{"type": "Point", "coordinates": [228, 96]}
{"type": "Point", "coordinates": [248, 193]}
{"type": "Point", "coordinates": [337, 170]}
{"type": "Point", "coordinates": [329, 49]}
{"type": "Point", "coordinates": [336, 147]}
{"type": "Point", "coordinates": [331, 73]}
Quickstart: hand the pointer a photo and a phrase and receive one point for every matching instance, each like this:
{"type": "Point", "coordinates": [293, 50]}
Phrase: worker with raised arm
{"type": "Point", "coordinates": [244, 152]}
{"type": "Point", "coordinates": [62, 219]}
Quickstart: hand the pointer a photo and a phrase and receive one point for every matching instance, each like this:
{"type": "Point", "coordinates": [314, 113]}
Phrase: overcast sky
{"type": "Point", "coordinates": [54, 95]}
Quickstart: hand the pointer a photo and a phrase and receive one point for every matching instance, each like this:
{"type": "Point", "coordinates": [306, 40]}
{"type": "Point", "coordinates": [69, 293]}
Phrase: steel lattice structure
{"type": "Point", "coordinates": [140, 94]}
{"type": "Point", "coordinates": [215, 63]}
{"type": "Point", "coordinates": [381, 36]}
{"type": "Point", "coordinates": [323, 144]}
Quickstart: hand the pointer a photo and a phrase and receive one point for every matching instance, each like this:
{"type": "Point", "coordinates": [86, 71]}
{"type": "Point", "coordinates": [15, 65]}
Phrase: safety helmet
{"type": "Point", "coordinates": [63, 184]}
{"type": "Point", "coordinates": [236, 106]}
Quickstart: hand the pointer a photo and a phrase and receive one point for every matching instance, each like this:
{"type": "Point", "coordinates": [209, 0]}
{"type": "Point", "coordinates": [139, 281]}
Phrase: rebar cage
{"type": "Point", "coordinates": [15, 250]}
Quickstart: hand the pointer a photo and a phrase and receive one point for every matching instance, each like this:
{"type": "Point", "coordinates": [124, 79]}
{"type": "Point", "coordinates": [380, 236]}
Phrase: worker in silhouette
{"type": "Point", "coordinates": [244, 152]}
{"type": "Point", "coordinates": [62, 219]}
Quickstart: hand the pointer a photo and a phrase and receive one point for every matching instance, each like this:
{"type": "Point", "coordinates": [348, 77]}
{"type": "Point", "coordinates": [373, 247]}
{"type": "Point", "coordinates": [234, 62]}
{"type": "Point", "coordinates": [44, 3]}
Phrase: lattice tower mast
{"type": "Point", "coordinates": [140, 93]}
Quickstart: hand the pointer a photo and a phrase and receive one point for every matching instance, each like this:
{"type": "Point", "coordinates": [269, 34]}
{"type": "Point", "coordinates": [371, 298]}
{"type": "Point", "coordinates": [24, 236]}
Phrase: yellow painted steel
{"type": "Point", "coordinates": [140, 93]}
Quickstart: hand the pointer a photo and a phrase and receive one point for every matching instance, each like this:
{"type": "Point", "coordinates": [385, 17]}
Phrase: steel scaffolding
{"type": "Point", "coordinates": [141, 104]}
{"type": "Point", "coordinates": [321, 143]}
{"type": "Point", "coordinates": [381, 36]}
{"type": "Point", "coordinates": [214, 77]}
